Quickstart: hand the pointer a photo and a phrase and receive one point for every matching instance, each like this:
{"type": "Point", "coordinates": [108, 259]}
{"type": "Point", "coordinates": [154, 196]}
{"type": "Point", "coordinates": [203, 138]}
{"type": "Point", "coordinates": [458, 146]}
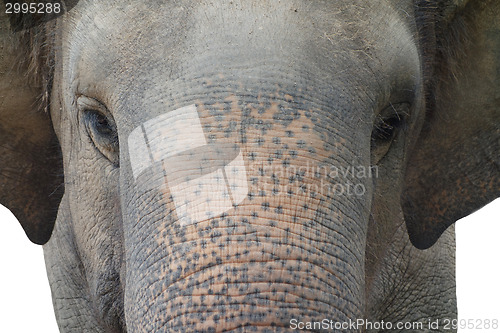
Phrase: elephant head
{"type": "Point", "coordinates": [238, 165]}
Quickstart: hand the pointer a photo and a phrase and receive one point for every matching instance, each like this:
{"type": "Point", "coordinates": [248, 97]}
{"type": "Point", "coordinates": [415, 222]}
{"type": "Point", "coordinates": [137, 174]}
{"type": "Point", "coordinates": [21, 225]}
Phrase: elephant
{"type": "Point", "coordinates": [261, 166]}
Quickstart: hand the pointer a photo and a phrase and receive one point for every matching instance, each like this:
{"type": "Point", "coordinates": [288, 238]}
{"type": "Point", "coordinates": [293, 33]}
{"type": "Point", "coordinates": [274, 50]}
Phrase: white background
{"type": "Point", "coordinates": [25, 304]}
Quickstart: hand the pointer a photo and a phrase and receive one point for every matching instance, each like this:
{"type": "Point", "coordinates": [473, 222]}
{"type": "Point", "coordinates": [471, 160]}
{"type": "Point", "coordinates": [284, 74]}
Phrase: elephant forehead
{"type": "Point", "coordinates": [187, 35]}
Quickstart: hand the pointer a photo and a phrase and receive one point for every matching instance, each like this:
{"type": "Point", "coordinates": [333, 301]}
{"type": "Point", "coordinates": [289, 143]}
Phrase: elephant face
{"type": "Point", "coordinates": [233, 165]}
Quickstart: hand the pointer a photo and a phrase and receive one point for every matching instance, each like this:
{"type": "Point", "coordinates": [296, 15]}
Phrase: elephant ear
{"type": "Point", "coordinates": [30, 159]}
{"type": "Point", "coordinates": [454, 167]}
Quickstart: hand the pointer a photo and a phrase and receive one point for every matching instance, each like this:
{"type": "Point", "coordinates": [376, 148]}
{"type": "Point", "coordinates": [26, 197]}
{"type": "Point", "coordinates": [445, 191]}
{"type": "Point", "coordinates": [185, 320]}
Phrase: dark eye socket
{"type": "Point", "coordinates": [100, 127]}
{"type": "Point", "coordinates": [100, 123]}
{"type": "Point", "coordinates": [385, 129]}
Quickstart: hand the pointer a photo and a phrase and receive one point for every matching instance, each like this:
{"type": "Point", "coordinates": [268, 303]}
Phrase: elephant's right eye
{"type": "Point", "coordinates": [100, 127]}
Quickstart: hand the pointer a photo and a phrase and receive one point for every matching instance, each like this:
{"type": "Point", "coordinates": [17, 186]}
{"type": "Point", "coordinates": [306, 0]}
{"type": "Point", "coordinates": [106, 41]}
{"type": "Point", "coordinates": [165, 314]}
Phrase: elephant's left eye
{"type": "Point", "coordinates": [385, 129]}
{"type": "Point", "coordinates": [100, 127]}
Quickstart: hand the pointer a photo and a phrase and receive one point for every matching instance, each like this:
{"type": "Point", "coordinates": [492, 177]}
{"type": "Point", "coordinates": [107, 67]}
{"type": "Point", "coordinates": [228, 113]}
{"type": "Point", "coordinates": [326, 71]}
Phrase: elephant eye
{"type": "Point", "coordinates": [385, 129]}
{"type": "Point", "coordinates": [100, 127]}
{"type": "Point", "coordinates": [101, 123]}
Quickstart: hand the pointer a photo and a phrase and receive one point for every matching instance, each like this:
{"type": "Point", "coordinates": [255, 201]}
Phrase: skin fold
{"type": "Point", "coordinates": [348, 137]}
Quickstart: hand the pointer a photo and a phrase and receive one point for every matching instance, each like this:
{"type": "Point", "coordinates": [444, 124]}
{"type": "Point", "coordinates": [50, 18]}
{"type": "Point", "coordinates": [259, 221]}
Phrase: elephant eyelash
{"type": "Point", "coordinates": [386, 127]}
{"type": "Point", "coordinates": [389, 121]}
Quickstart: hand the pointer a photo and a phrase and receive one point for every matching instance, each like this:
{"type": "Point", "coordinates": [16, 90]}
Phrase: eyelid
{"type": "Point", "coordinates": [399, 108]}
{"type": "Point", "coordinates": [86, 103]}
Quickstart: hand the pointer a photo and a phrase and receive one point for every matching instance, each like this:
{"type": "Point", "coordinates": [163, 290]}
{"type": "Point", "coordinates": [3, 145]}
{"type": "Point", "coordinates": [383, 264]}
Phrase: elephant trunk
{"type": "Point", "coordinates": [240, 272]}
{"type": "Point", "coordinates": [236, 221]}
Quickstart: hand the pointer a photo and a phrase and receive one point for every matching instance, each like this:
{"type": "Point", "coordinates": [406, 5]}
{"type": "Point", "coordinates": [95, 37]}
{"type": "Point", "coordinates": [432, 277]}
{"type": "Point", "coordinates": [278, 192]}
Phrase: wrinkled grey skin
{"type": "Point", "coordinates": [290, 84]}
